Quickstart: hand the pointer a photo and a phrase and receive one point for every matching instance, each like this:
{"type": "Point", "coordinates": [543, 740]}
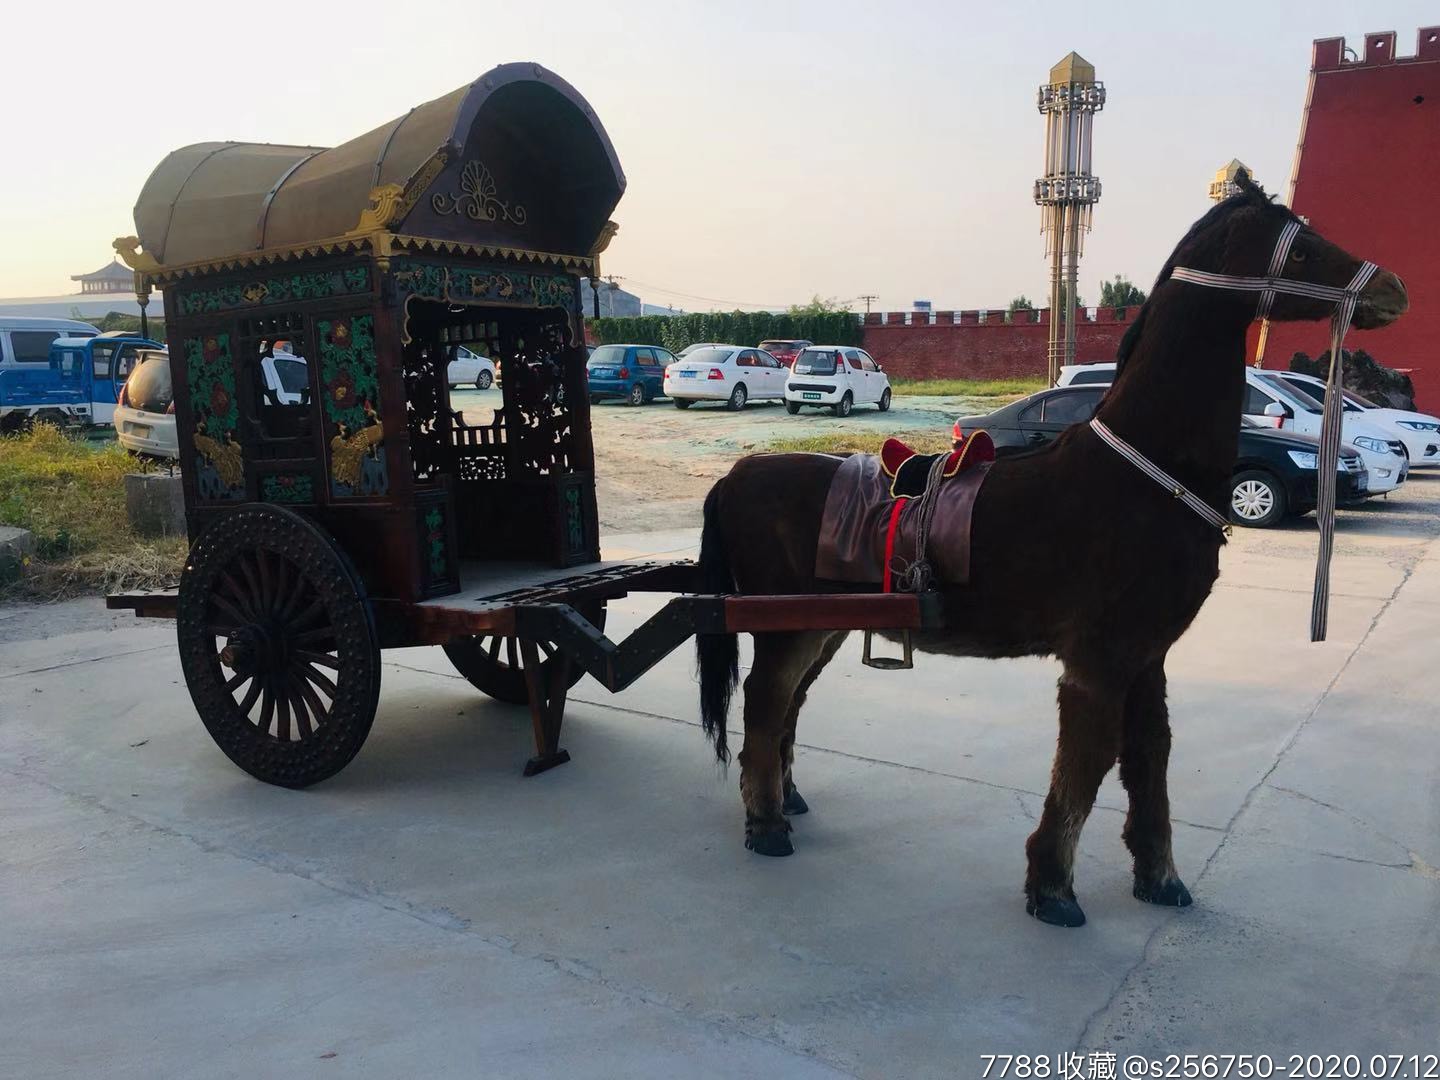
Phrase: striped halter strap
{"type": "Point", "coordinates": [1269, 286]}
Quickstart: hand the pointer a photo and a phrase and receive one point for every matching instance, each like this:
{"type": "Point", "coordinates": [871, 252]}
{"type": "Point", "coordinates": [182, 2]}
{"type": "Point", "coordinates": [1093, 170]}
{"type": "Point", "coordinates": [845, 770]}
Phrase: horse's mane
{"type": "Point", "coordinates": [1250, 194]}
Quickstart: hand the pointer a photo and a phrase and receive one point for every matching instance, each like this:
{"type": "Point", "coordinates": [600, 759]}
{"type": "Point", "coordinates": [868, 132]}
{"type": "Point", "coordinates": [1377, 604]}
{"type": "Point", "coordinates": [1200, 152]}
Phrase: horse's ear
{"type": "Point", "coordinates": [1247, 185]}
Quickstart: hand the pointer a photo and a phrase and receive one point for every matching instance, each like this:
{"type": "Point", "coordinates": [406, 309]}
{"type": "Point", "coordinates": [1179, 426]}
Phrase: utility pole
{"type": "Point", "coordinates": [867, 298]}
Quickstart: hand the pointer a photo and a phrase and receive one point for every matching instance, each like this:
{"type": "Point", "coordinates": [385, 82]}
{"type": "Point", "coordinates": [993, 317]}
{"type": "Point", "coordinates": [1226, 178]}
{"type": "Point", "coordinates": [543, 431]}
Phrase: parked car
{"type": "Point", "coordinates": [286, 377]}
{"type": "Point", "coordinates": [836, 377]}
{"type": "Point", "coordinates": [785, 349]}
{"type": "Point", "coordinates": [1276, 476]}
{"type": "Point", "coordinates": [470, 368]}
{"type": "Point", "coordinates": [697, 346]}
{"type": "Point", "coordinates": [1419, 432]}
{"type": "Point", "coordinates": [1034, 421]}
{"type": "Point", "coordinates": [1272, 401]}
{"type": "Point", "coordinates": [633, 372]}
{"type": "Point", "coordinates": [145, 413]}
{"type": "Point", "coordinates": [1275, 471]}
{"type": "Point", "coordinates": [729, 373]}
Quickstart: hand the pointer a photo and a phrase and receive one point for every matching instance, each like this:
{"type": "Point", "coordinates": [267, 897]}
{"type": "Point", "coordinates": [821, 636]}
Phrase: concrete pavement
{"type": "Point", "coordinates": [429, 912]}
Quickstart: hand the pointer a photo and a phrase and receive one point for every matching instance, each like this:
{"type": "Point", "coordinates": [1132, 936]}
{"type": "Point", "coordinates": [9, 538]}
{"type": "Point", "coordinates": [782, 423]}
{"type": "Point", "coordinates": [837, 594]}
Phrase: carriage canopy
{"type": "Point", "coordinates": [516, 160]}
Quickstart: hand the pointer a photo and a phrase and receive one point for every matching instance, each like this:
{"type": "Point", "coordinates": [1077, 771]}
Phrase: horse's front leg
{"type": "Point", "coordinates": [1144, 759]}
{"type": "Point", "coordinates": [1090, 713]}
{"type": "Point", "coordinates": [781, 662]}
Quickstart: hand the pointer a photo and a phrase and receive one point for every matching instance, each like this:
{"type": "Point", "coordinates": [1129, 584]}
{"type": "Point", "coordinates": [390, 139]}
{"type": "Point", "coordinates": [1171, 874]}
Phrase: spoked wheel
{"type": "Point", "coordinates": [278, 645]}
{"type": "Point", "coordinates": [495, 665]}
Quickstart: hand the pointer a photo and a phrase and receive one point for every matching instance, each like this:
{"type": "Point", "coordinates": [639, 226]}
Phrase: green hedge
{"type": "Point", "coordinates": [674, 332]}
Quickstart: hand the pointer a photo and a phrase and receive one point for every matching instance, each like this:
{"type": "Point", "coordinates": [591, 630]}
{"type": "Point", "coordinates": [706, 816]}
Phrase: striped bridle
{"type": "Point", "coordinates": [1271, 285]}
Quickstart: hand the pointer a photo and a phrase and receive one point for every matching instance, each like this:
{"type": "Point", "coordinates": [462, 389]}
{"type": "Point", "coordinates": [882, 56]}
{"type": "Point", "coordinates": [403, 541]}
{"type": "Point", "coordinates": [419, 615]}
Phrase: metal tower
{"type": "Point", "coordinates": [1223, 186]}
{"type": "Point", "coordinates": [1067, 192]}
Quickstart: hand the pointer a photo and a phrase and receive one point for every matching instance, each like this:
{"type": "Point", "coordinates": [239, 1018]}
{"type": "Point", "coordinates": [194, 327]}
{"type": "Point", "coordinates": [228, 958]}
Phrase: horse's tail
{"type": "Point", "coordinates": [716, 655]}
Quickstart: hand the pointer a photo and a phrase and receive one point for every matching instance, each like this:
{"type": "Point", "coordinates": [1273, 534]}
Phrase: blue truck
{"type": "Point", "coordinates": [77, 384]}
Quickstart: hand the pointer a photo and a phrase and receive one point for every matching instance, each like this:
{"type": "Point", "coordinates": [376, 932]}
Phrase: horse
{"type": "Point", "coordinates": [1075, 553]}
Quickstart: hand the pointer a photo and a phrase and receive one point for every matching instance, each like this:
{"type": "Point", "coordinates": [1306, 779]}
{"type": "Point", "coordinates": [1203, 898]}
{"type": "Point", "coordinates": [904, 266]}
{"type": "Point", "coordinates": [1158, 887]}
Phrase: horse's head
{"type": "Point", "coordinates": [1238, 239]}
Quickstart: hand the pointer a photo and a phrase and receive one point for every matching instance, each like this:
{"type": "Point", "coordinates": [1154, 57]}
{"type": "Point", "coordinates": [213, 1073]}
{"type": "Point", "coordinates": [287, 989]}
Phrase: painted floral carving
{"type": "Point", "coordinates": [478, 198]}
{"type": "Point", "coordinates": [355, 435]}
{"type": "Point", "coordinates": [219, 461]}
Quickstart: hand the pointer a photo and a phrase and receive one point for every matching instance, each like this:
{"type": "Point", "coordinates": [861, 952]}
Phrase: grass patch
{"type": "Point", "coordinates": [71, 495]}
{"type": "Point", "coordinates": [982, 388]}
{"type": "Point", "coordinates": [854, 442]}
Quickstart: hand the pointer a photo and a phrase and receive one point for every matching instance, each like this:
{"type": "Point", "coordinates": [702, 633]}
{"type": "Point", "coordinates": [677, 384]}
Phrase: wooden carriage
{"type": "Point", "coordinates": [337, 503]}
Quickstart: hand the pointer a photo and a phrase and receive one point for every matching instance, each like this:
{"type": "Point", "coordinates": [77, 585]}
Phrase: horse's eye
{"type": "Point", "coordinates": [1296, 255]}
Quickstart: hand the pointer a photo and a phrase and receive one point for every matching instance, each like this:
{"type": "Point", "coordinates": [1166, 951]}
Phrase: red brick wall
{"type": "Point", "coordinates": [1365, 177]}
{"type": "Point", "coordinates": [957, 345]}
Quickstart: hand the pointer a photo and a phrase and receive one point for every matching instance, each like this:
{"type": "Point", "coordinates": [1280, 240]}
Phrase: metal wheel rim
{"type": "Point", "coordinates": [1252, 500]}
{"type": "Point", "coordinates": [737, 397]}
{"type": "Point", "coordinates": [637, 395]}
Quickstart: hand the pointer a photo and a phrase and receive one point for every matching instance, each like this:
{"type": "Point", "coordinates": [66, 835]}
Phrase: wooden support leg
{"type": "Point", "coordinates": [547, 692]}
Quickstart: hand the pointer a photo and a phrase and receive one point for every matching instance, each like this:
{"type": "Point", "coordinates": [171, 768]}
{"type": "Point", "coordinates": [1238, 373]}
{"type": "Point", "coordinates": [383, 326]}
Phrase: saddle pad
{"type": "Point", "coordinates": [857, 517]}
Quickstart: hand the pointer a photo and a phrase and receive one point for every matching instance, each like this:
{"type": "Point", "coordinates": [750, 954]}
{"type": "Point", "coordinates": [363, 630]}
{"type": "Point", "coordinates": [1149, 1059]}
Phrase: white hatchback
{"type": "Point", "coordinates": [145, 415]}
{"type": "Point", "coordinates": [470, 368]}
{"type": "Point", "coordinates": [729, 373]}
{"type": "Point", "coordinates": [836, 377]}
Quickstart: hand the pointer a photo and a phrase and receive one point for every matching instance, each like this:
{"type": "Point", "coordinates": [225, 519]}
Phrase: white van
{"type": "Point", "coordinates": [27, 341]}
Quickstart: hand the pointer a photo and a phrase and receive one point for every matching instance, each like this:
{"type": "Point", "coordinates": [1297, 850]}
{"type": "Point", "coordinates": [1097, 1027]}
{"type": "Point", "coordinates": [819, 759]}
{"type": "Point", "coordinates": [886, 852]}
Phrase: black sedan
{"type": "Point", "coordinates": [1275, 471]}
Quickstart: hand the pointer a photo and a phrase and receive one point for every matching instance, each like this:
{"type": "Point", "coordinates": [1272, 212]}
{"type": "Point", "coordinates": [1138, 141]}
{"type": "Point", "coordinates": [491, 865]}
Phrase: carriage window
{"type": "Point", "coordinates": [280, 377]}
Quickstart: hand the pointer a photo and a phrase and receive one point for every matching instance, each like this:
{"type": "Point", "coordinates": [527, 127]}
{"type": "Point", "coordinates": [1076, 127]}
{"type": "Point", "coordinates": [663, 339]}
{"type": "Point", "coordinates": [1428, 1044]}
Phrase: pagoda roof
{"type": "Point", "coordinates": [1073, 68]}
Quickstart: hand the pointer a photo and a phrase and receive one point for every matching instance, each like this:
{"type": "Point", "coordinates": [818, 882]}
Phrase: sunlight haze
{"type": "Point", "coordinates": [774, 151]}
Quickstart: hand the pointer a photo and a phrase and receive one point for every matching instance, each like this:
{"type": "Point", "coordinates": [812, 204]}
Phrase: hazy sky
{"type": "Point", "coordinates": [774, 150]}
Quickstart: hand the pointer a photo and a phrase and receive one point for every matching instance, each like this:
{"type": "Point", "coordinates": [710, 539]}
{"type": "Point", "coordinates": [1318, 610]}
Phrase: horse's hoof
{"type": "Point", "coordinates": [1172, 893]}
{"type": "Point", "coordinates": [795, 803]}
{"type": "Point", "coordinates": [770, 843]}
{"type": "Point", "coordinates": [1056, 911]}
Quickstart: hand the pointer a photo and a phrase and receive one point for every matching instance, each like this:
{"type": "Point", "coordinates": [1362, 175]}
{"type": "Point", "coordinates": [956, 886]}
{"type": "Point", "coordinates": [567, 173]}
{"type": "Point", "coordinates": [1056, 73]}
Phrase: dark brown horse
{"type": "Point", "coordinates": [1075, 554]}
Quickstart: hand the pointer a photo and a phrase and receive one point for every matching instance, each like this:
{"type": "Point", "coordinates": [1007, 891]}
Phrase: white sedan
{"type": "Point", "coordinates": [470, 367]}
{"type": "Point", "coordinates": [729, 373]}
{"type": "Point", "coordinates": [1419, 432]}
{"type": "Point", "coordinates": [836, 377]}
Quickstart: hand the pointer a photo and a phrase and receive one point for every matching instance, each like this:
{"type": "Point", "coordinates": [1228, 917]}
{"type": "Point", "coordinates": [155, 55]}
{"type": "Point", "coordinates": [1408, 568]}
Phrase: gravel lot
{"type": "Point", "coordinates": [656, 462]}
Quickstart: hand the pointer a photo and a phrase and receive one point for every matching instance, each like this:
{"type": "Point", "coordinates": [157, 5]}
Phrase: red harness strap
{"type": "Point", "coordinates": [890, 539]}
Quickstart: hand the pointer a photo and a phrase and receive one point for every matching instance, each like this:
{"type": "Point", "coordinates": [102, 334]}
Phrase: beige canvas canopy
{"type": "Point", "coordinates": [516, 160]}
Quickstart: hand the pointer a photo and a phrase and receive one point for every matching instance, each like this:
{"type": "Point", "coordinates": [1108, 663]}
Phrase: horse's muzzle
{"type": "Point", "coordinates": [1383, 301]}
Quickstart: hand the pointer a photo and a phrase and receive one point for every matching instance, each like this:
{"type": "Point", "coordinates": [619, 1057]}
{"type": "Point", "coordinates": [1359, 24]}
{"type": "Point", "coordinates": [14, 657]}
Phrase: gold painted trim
{"type": "Point", "coordinates": [381, 243]}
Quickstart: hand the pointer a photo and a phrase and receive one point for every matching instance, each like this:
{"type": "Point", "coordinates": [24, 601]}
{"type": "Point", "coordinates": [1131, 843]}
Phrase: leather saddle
{"type": "Point", "coordinates": [871, 531]}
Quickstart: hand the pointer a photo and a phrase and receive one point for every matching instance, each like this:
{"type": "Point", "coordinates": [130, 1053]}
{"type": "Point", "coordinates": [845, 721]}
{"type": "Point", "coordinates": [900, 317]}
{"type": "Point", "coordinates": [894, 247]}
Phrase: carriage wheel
{"type": "Point", "coordinates": [496, 665]}
{"type": "Point", "coordinates": [278, 645]}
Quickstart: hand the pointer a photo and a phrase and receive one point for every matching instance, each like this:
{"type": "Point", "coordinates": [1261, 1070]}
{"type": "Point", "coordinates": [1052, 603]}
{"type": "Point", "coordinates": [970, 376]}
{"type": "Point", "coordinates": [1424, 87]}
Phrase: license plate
{"type": "Point", "coordinates": [140, 431]}
{"type": "Point", "coordinates": [688, 374]}
{"type": "Point", "coordinates": [808, 396]}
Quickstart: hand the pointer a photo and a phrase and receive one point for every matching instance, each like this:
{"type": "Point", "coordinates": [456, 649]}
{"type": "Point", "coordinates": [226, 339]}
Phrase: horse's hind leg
{"type": "Point", "coordinates": [782, 661]}
{"type": "Point", "coordinates": [1144, 758]}
{"type": "Point", "coordinates": [794, 803]}
{"type": "Point", "coordinates": [1090, 713]}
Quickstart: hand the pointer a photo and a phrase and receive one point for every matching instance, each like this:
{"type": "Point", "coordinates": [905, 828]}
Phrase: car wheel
{"type": "Point", "coordinates": [793, 408]}
{"type": "Point", "coordinates": [885, 400]}
{"type": "Point", "coordinates": [637, 394]}
{"type": "Point", "coordinates": [595, 399]}
{"type": "Point", "coordinates": [738, 397]}
{"type": "Point", "coordinates": [843, 407]}
{"type": "Point", "coordinates": [682, 403]}
{"type": "Point", "coordinates": [1257, 499]}
{"type": "Point", "coordinates": [484, 381]}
